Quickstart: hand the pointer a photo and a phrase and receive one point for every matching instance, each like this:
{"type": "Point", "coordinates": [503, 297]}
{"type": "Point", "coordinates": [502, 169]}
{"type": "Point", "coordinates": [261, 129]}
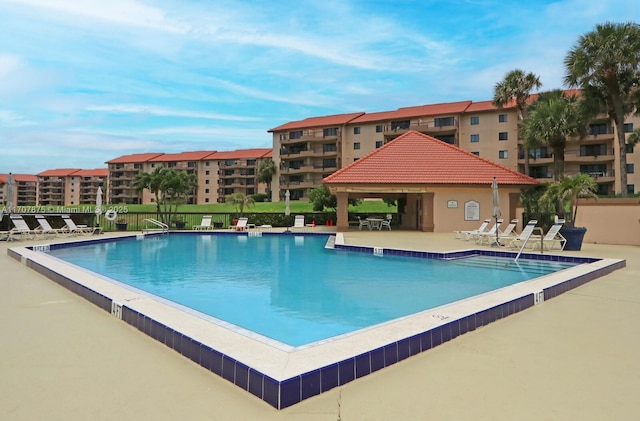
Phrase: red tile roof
{"type": "Point", "coordinates": [136, 157]}
{"type": "Point", "coordinates": [415, 158]}
{"type": "Point", "coordinates": [25, 178]}
{"type": "Point", "coordinates": [254, 153]}
{"type": "Point", "coordinates": [417, 111]}
{"type": "Point", "coordinates": [182, 156]}
{"type": "Point", "coordinates": [59, 172]}
{"type": "Point", "coordinates": [329, 120]}
{"type": "Point", "coordinates": [98, 172]}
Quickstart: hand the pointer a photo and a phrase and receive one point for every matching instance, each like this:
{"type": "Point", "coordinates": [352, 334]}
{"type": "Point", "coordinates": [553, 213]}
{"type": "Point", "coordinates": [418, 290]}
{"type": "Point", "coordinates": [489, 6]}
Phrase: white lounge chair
{"type": "Point", "coordinates": [386, 223]}
{"type": "Point", "coordinates": [72, 228]}
{"type": "Point", "coordinates": [503, 236]}
{"type": "Point", "coordinates": [45, 228]}
{"type": "Point", "coordinates": [489, 236]}
{"type": "Point", "coordinates": [205, 224]}
{"type": "Point", "coordinates": [466, 235]}
{"type": "Point", "coordinates": [524, 236]}
{"type": "Point", "coordinates": [241, 225]}
{"type": "Point", "coordinates": [477, 237]}
{"type": "Point", "coordinates": [20, 229]}
{"type": "Point", "coordinates": [553, 239]}
{"type": "Point", "coordinates": [298, 223]}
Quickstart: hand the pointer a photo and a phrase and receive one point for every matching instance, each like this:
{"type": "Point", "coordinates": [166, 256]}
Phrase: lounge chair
{"type": "Point", "coordinates": [45, 228]}
{"type": "Point", "coordinates": [490, 236]}
{"type": "Point", "coordinates": [362, 223]}
{"type": "Point", "coordinates": [20, 229]}
{"type": "Point", "coordinates": [241, 225]}
{"type": "Point", "coordinates": [205, 224]}
{"type": "Point", "coordinates": [72, 228]}
{"type": "Point", "coordinates": [477, 237]}
{"type": "Point", "coordinates": [524, 236]}
{"type": "Point", "coordinates": [298, 223]}
{"type": "Point", "coordinates": [466, 235]}
{"type": "Point", "coordinates": [552, 239]}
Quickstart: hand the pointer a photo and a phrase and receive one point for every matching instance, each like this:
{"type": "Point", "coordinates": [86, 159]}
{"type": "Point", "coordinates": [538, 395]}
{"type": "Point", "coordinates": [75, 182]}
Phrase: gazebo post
{"type": "Point", "coordinates": [342, 223]}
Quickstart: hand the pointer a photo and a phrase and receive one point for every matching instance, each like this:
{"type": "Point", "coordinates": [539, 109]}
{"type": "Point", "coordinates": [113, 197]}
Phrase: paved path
{"type": "Point", "coordinates": [574, 357]}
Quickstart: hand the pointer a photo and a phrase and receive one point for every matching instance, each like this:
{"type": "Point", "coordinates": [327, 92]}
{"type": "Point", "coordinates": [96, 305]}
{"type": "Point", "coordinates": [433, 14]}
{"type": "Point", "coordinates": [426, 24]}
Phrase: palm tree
{"type": "Point", "coordinates": [605, 64]}
{"type": "Point", "coordinates": [266, 171]}
{"type": "Point", "coordinates": [151, 181]}
{"type": "Point", "coordinates": [550, 120]}
{"type": "Point", "coordinates": [170, 188]}
{"type": "Point", "coordinates": [566, 193]}
{"type": "Point", "coordinates": [240, 201]}
{"type": "Point", "coordinates": [516, 88]}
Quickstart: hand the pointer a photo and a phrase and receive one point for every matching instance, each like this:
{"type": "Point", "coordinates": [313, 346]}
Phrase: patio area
{"type": "Point", "coordinates": [572, 357]}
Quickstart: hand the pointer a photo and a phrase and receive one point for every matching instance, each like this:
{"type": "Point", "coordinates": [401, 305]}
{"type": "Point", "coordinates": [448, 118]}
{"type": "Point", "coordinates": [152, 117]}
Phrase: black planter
{"type": "Point", "coordinates": [121, 226]}
{"type": "Point", "coordinates": [574, 237]}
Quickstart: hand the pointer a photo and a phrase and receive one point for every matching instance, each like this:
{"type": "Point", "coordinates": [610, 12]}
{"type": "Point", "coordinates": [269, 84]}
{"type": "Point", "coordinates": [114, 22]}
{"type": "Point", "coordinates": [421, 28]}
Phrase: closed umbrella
{"type": "Point", "coordinates": [98, 204]}
{"type": "Point", "coordinates": [497, 213]}
{"type": "Point", "coordinates": [287, 210]}
{"type": "Point", "coordinates": [11, 188]}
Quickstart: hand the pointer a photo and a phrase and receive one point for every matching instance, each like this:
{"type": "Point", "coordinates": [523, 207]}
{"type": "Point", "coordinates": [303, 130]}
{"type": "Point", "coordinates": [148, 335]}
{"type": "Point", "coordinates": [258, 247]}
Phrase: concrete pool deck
{"type": "Point", "coordinates": [574, 356]}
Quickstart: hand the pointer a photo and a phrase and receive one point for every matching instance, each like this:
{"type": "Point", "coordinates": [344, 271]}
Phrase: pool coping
{"type": "Point", "coordinates": [284, 376]}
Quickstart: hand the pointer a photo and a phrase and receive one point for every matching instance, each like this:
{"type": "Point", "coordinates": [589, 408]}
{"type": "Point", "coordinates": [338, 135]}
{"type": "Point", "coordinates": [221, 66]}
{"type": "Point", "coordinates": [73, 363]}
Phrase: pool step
{"type": "Point", "coordinates": [331, 242]}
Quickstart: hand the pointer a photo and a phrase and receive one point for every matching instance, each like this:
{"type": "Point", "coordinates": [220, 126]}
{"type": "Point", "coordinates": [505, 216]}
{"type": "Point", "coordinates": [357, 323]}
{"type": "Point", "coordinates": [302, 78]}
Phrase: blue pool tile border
{"type": "Point", "coordinates": [288, 392]}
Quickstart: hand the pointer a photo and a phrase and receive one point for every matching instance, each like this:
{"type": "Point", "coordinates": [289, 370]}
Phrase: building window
{"type": "Point", "coordinates": [600, 128]}
{"type": "Point", "coordinates": [206, 164]}
{"type": "Point", "coordinates": [629, 148]}
{"type": "Point", "coordinates": [206, 200]}
{"type": "Point", "coordinates": [329, 147]}
{"type": "Point", "coordinates": [356, 130]}
{"type": "Point", "coordinates": [444, 121]}
{"type": "Point", "coordinates": [379, 128]}
{"type": "Point", "coordinates": [475, 138]}
{"type": "Point", "coordinates": [251, 162]}
{"type": "Point", "coordinates": [206, 172]}
{"type": "Point", "coordinates": [206, 181]}
{"type": "Point", "coordinates": [400, 125]}
{"type": "Point", "coordinates": [333, 131]}
{"type": "Point", "coordinates": [503, 154]}
{"type": "Point", "coordinates": [206, 191]}
{"type": "Point", "coordinates": [295, 135]}
{"type": "Point", "coordinates": [630, 168]}
{"type": "Point", "coordinates": [328, 163]}
{"type": "Point", "coordinates": [191, 164]}
{"type": "Point", "coordinates": [503, 136]}
{"type": "Point", "coordinates": [502, 118]}
{"type": "Point", "coordinates": [476, 153]}
{"type": "Point", "coordinates": [631, 189]}
{"type": "Point", "coordinates": [355, 159]}
{"type": "Point", "coordinates": [379, 143]}
{"type": "Point", "coordinates": [628, 127]}
{"type": "Point", "coordinates": [475, 121]}
{"type": "Point", "coordinates": [356, 145]}
{"type": "Point", "coordinates": [171, 164]}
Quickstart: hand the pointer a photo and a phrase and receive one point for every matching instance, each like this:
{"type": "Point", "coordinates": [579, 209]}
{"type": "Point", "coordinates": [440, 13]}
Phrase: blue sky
{"type": "Point", "coordinates": [85, 81]}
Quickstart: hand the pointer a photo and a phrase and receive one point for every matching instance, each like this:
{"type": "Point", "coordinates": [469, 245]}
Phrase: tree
{"type": "Point", "coordinates": [516, 87]}
{"type": "Point", "coordinates": [550, 120]}
{"type": "Point", "coordinates": [634, 137]}
{"type": "Point", "coordinates": [605, 64]}
{"type": "Point", "coordinates": [322, 198]}
{"type": "Point", "coordinates": [566, 192]}
{"type": "Point", "coordinates": [240, 201]}
{"type": "Point", "coordinates": [170, 187]}
{"type": "Point", "coordinates": [266, 171]}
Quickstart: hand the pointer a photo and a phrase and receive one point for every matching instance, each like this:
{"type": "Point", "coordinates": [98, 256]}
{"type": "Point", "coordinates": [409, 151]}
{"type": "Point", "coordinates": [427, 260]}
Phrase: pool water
{"type": "Point", "coordinates": [290, 288]}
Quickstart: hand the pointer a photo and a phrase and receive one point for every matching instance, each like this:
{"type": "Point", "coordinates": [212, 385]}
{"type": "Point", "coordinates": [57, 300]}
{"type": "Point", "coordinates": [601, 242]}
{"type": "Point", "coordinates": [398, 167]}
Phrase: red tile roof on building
{"type": "Point", "coordinates": [19, 178]}
{"type": "Point", "coordinates": [417, 111]}
{"type": "Point", "coordinates": [97, 172]}
{"type": "Point", "coordinates": [415, 158]}
{"type": "Point", "coordinates": [133, 158]}
{"type": "Point", "coordinates": [182, 156]}
{"type": "Point", "coordinates": [254, 153]}
{"type": "Point", "coordinates": [59, 172]}
{"type": "Point", "coordinates": [324, 121]}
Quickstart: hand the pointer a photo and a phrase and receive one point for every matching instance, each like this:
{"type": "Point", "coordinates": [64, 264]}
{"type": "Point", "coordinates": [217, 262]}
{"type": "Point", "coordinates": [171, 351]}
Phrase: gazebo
{"type": "Point", "coordinates": [438, 187]}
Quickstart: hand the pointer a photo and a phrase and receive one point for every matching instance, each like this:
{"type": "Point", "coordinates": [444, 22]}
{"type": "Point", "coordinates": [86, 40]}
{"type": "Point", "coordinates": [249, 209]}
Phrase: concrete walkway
{"type": "Point", "coordinates": [573, 357]}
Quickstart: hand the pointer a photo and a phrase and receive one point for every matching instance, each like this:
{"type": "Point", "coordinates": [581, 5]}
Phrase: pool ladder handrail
{"type": "Point", "coordinates": [162, 226]}
{"type": "Point", "coordinates": [541, 231]}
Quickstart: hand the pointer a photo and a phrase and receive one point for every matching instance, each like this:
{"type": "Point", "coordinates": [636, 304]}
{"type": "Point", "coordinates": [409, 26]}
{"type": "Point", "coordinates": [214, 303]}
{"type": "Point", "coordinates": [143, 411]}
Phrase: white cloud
{"type": "Point", "coordinates": [159, 111]}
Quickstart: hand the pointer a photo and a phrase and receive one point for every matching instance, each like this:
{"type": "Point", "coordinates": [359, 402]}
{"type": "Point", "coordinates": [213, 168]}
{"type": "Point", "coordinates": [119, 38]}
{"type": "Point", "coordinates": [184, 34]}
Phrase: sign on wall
{"type": "Point", "coordinates": [471, 211]}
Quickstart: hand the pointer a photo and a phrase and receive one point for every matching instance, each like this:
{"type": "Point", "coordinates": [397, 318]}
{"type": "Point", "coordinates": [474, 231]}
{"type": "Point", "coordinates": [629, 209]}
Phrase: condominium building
{"type": "Point", "coordinates": [69, 186]}
{"type": "Point", "coordinates": [218, 174]}
{"type": "Point", "coordinates": [25, 190]}
{"type": "Point", "coordinates": [308, 150]}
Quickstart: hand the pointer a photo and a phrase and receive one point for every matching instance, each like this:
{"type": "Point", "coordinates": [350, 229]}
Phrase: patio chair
{"type": "Point", "coordinates": [72, 228]}
{"type": "Point", "coordinates": [477, 237]}
{"type": "Point", "coordinates": [241, 225]}
{"type": "Point", "coordinates": [387, 222]}
{"type": "Point", "coordinates": [205, 224]}
{"type": "Point", "coordinates": [552, 239]}
{"type": "Point", "coordinates": [20, 229]}
{"type": "Point", "coordinates": [489, 236]}
{"type": "Point", "coordinates": [506, 235]}
{"type": "Point", "coordinates": [363, 223]}
{"type": "Point", "coordinates": [525, 235]}
{"type": "Point", "coordinates": [466, 235]}
{"type": "Point", "coordinates": [45, 228]}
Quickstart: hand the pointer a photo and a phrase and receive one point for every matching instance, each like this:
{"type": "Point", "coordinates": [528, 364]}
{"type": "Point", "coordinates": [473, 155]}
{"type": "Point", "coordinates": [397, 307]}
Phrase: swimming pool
{"type": "Point", "coordinates": [283, 375]}
{"type": "Point", "coordinates": [291, 288]}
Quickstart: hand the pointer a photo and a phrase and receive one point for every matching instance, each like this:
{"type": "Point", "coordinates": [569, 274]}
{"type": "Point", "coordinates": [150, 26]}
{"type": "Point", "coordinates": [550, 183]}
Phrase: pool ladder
{"type": "Point", "coordinates": [159, 226]}
{"type": "Point", "coordinates": [527, 240]}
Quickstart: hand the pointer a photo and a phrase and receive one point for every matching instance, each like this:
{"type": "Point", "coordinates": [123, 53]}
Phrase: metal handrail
{"type": "Point", "coordinates": [541, 231]}
{"type": "Point", "coordinates": [162, 225]}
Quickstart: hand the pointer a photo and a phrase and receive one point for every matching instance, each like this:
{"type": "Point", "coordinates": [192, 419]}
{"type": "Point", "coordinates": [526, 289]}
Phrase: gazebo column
{"type": "Point", "coordinates": [342, 224]}
{"type": "Point", "coordinates": [427, 223]}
